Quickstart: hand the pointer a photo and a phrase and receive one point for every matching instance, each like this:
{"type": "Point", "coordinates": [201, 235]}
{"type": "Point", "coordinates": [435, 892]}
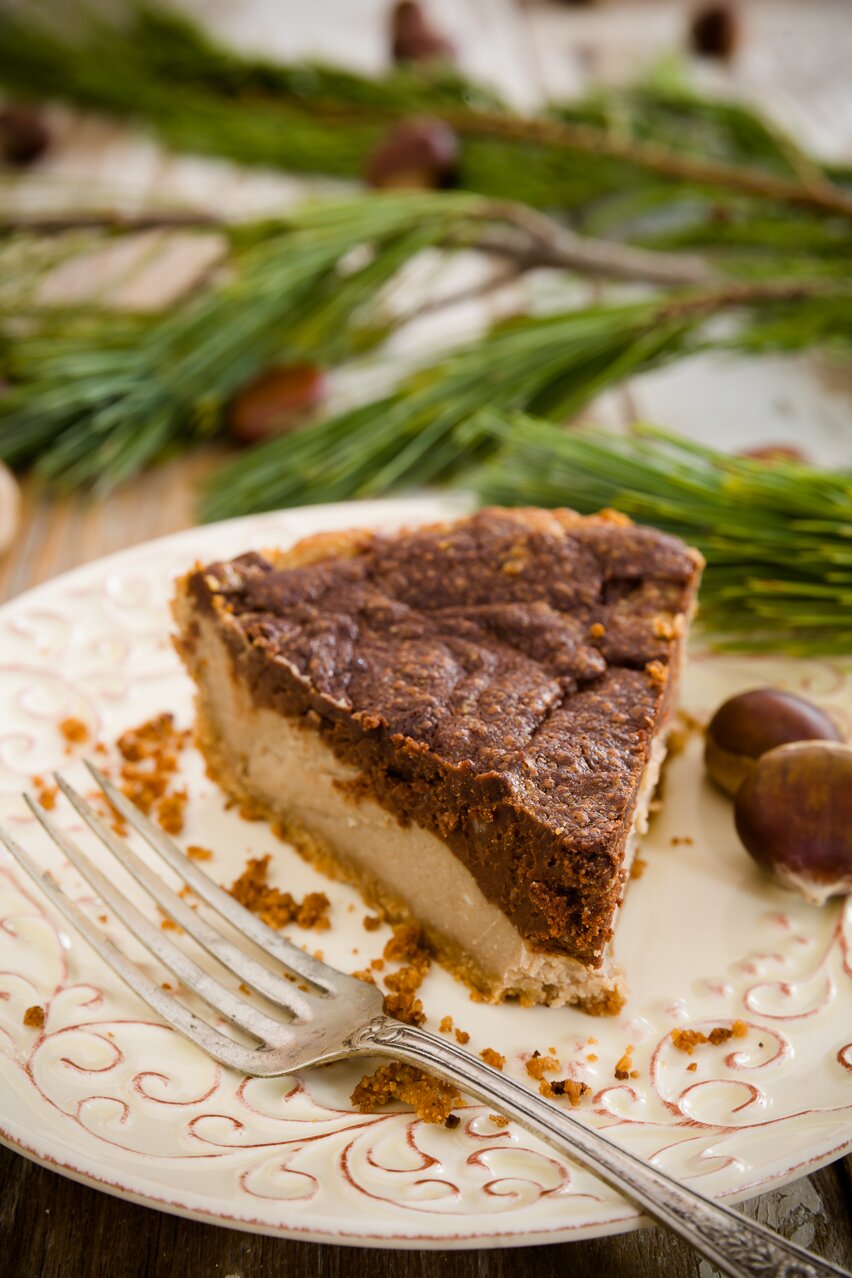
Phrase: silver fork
{"type": "Point", "coordinates": [342, 1017]}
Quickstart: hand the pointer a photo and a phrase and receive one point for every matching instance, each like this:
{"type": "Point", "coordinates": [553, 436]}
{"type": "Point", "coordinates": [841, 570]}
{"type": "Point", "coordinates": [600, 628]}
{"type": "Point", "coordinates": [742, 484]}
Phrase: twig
{"type": "Point", "coordinates": [112, 220]}
{"type": "Point", "coordinates": [820, 195]}
{"type": "Point", "coordinates": [547, 243]}
{"type": "Point", "coordinates": [824, 196]}
{"type": "Point", "coordinates": [732, 295]}
{"type": "Point", "coordinates": [508, 273]}
{"type": "Point", "coordinates": [533, 241]}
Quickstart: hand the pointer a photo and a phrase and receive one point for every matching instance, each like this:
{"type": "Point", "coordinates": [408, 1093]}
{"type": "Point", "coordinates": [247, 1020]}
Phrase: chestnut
{"type": "Point", "coordinates": [418, 154]}
{"type": "Point", "coordinates": [746, 726]}
{"type": "Point", "coordinates": [413, 38]}
{"type": "Point", "coordinates": [794, 816]}
{"type": "Point", "coordinates": [275, 402]}
{"type": "Point", "coordinates": [715, 32]}
{"type": "Point", "coordinates": [24, 135]}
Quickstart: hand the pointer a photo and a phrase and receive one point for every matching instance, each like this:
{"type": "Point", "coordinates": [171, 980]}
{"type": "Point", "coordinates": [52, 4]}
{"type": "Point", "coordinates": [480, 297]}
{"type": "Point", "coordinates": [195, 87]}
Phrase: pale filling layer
{"type": "Point", "coordinates": [289, 769]}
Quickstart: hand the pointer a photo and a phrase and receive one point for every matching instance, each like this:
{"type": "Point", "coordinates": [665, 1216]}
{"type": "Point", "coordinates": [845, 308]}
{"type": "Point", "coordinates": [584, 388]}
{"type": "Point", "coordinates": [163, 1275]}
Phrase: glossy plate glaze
{"type": "Point", "coordinates": [106, 1094]}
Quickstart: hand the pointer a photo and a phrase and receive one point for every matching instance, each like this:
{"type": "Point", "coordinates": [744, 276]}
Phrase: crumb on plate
{"type": "Point", "coordinates": [638, 867]}
{"type": "Point", "coordinates": [274, 907]}
{"type": "Point", "coordinates": [73, 730]}
{"type": "Point", "coordinates": [197, 853]}
{"type": "Point", "coordinates": [571, 1089]}
{"type": "Point", "coordinates": [537, 1066]}
{"type": "Point", "coordinates": [624, 1066]}
{"type": "Point", "coordinates": [431, 1099]}
{"type": "Point", "coordinates": [686, 1040]}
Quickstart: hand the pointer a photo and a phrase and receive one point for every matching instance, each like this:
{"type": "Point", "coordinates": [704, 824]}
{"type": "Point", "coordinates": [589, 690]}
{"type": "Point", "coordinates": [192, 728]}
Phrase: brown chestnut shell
{"type": "Point", "coordinates": [419, 153]}
{"type": "Point", "coordinates": [276, 401]}
{"type": "Point", "coordinates": [747, 725]}
{"type": "Point", "coordinates": [793, 814]}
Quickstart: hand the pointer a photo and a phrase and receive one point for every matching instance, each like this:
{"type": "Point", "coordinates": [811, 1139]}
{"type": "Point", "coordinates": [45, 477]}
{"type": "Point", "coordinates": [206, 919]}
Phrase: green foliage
{"type": "Point", "coordinates": [426, 432]}
{"type": "Point", "coordinates": [550, 366]}
{"type": "Point", "coordinates": [159, 68]}
{"type": "Point", "coordinates": [94, 397]}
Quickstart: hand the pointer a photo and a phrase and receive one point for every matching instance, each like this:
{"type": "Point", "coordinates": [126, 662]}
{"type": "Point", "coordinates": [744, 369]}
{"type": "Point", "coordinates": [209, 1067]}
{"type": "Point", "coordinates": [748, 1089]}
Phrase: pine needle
{"type": "Point", "coordinates": [93, 397]}
{"type": "Point", "coordinates": [548, 366]}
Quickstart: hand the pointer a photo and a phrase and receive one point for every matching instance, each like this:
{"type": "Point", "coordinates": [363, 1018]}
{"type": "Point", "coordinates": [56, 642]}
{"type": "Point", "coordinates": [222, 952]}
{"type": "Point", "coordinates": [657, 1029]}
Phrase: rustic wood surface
{"type": "Point", "coordinates": [795, 60]}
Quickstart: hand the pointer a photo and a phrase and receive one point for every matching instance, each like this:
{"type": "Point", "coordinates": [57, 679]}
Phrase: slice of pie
{"type": "Point", "coordinates": [467, 720]}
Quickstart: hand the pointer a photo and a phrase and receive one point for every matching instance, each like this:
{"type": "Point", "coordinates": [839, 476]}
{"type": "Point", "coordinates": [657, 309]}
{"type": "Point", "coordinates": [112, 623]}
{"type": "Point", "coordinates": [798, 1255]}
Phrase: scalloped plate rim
{"type": "Point", "coordinates": [402, 1242]}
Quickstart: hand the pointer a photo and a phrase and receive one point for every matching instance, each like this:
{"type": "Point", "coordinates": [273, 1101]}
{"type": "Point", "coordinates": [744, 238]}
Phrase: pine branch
{"type": "Point", "coordinates": [817, 194]}
{"type": "Point", "coordinates": [548, 366]}
{"type": "Point", "coordinates": [526, 237]}
{"type": "Point", "coordinates": [94, 398]}
{"type": "Point", "coordinates": [159, 67]}
{"type": "Point", "coordinates": [540, 241]}
{"type": "Point", "coordinates": [60, 223]}
{"type": "Point", "coordinates": [776, 536]}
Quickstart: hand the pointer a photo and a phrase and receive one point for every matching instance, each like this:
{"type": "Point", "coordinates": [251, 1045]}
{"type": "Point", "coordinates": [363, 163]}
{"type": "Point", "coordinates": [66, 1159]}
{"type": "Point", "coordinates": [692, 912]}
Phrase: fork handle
{"type": "Point", "coordinates": [738, 1246]}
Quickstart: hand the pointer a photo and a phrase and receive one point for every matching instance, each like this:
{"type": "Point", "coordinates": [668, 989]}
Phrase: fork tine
{"type": "Point", "coordinates": [230, 956]}
{"type": "Point", "coordinates": [236, 1010]}
{"type": "Point", "coordinates": [275, 945]}
{"type": "Point", "coordinates": [219, 1046]}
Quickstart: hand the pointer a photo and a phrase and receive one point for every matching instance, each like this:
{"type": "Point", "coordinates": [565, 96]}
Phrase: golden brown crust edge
{"type": "Point", "coordinates": [346, 543]}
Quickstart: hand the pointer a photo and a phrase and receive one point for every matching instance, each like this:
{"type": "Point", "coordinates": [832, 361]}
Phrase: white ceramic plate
{"type": "Point", "coordinates": [107, 1095]}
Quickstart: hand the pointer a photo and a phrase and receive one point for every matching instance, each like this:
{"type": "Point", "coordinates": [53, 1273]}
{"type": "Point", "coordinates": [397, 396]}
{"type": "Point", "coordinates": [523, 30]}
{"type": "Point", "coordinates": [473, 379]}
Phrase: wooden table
{"type": "Point", "coordinates": [51, 1227]}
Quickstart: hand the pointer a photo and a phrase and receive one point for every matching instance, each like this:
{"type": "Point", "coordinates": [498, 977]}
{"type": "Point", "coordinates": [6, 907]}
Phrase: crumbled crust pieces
{"type": "Point", "coordinates": [46, 794]}
{"type": "Point", "coordinates": [197, 853]}
{"type": "Point", "coordinates": [432, 1099]}
{"type": "Point", "coordinates": [571, 1089]}
{"type": "Point", "coordinates": [150, 756]}
{"type": "Point", "coordinates": [406, 946]}
{"type": "Point", "coordinates": [74, 730]}
{"type": "Point", "coordinates": [537, 1066]}
{"type": "Point", "coordinates": [686, 1040]}
{"type": "Point", "coordinates": [274, 907]}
